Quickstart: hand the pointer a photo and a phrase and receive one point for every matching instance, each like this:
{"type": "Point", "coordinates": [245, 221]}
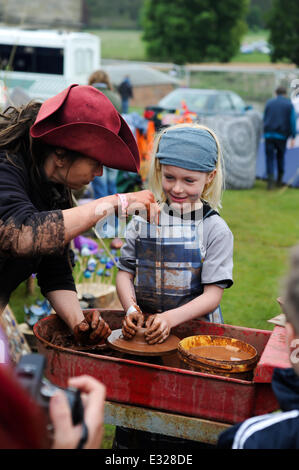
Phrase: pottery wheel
{"type": "Point", "coordinates": [141, 347]}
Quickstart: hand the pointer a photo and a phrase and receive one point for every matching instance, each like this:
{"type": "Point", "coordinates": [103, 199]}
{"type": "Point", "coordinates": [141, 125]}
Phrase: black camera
{"type": "Point", "coordinates": [30, 370]}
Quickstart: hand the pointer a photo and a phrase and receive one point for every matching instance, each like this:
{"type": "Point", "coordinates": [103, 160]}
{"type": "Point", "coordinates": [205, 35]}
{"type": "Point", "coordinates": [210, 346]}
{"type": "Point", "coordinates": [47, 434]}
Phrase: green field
{"type": "Point", "coordinates": [252, 36]}
{"type": "Point", "coordinates": [128, 45]}
{"type": "Point", "coordinates": [118, 44]}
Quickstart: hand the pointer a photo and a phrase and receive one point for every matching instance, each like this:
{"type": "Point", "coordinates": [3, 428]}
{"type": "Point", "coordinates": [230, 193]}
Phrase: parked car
{"type": "Point", "coordinates": [257, 46]}
{"type": "Point", "coordinates": [200, 102]}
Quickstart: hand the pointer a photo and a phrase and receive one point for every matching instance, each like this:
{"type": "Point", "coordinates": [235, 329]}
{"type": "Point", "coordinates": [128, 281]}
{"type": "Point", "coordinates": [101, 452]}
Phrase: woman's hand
{"type": "Point", "coordinates": [92, 330]}
{"type": "Point", "coordinates": [158, 328]}
{"type": "Point", "coordinates": [130, 324]}
{"type": "Point", "coordinates": [66, 435]}
{"type": "Point", "coordinates": [144, 202]}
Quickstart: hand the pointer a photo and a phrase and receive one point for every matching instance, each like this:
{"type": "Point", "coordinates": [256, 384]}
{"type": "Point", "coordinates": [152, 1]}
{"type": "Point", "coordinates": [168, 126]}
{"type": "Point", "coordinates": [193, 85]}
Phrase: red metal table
{"type": "Point", "coordinates": [164, 397]}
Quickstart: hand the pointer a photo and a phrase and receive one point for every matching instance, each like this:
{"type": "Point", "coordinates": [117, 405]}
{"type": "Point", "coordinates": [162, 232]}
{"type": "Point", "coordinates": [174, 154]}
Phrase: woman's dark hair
{"type": "Point", "coordinates": [15, 140]}
{"type": "Point", "coordinates": [14, 127]}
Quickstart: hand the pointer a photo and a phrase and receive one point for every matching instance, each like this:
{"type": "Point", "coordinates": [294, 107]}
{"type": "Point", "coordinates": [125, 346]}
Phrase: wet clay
{"type": "Point", "coordinates": [137, 345]}
{"type": "Point", "coordinates": [221, 353]}
{"type": "Point", "coordinates": [66, 339]}
{"type": "Point", "coordinates": [139, 336]}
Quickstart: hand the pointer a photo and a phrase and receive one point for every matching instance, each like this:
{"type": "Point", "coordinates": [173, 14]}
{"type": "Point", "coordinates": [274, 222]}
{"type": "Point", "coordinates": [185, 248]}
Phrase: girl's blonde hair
{"type": "Point", "coordinates": [212, 192]}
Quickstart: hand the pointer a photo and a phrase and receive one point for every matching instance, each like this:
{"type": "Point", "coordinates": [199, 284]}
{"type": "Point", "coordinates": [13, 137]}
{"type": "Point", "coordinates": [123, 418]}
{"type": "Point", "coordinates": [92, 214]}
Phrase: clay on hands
{"type": "Point", "coordinates": [132, 322]}
{"type": "Point", "coordinates": [92, 330]}
{"type": "Point", "coordinates": [157, 330]}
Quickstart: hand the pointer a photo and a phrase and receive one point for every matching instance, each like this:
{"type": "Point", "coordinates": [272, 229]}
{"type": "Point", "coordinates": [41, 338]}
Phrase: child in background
{"type": "Point", "coordinates": [277, 430]}
{"type": "Point", "coordinates": [180, 267]}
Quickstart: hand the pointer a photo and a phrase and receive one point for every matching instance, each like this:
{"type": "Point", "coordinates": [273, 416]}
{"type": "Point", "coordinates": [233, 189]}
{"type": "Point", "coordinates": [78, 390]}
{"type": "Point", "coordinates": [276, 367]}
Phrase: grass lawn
{"type": "Point", "coordinates": [253, 36]}
{"type": "Point", "coordinates": [253, 58]}
{"type": "Point", "coordinates": [265, 225]}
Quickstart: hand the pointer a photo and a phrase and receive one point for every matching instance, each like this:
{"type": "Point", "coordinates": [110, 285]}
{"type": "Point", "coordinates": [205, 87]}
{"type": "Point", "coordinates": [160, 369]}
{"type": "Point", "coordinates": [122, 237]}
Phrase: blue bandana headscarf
{"type": "Point", "coordinates": [190, 148]}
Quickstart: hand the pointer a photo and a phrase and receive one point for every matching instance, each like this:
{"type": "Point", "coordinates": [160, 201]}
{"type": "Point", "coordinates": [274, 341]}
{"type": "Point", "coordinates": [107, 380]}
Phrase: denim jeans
{"type": "Point", "coordinates": [105, 185]}
{"type": "Point", "coordinates": [125, 105]}
{"type": "Point", "coordinates": [275, 151]}
{"type": "Point", "coordinates": [102, 186]}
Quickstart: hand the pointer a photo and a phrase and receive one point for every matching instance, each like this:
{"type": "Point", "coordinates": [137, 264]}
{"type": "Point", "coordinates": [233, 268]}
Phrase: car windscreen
{"type": "Point", "coordinates": [194, 101]}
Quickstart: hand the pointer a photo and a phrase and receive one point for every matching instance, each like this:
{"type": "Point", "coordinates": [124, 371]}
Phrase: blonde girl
{"type": "Point", "coordinates": [212, 193]}
{"type": "Point", "coordinates": [177, 271]}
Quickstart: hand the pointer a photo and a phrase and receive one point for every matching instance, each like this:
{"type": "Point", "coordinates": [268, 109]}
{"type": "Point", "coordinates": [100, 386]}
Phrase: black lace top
{"type": "Point", "coordinates": [31, 229]}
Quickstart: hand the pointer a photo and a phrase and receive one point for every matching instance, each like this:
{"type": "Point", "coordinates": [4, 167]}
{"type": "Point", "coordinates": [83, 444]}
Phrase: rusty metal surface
{"type": "Point", "coordinates": [166, 388]}
{"type": "Point", "coordinates": [169, 424]}
{"type": "Point", "coordinates": [275, 354]}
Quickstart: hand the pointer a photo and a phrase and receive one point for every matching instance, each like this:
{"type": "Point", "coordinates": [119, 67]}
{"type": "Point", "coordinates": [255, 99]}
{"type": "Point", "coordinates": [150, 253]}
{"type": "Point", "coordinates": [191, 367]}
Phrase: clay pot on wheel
{"type": "Point", "coordinates": [139, 336]}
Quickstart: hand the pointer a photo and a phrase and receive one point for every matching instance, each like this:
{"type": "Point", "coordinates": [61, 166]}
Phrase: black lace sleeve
{"type": "Point", "coordinates": [25, 230]}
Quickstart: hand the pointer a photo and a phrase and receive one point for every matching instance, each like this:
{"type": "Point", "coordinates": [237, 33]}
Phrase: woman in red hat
{"type": "Point", "coordinates": [47, 150]}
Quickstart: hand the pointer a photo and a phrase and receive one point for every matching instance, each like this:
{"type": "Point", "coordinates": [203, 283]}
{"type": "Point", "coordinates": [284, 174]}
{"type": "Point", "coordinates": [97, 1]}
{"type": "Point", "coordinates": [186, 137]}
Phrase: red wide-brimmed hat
{"type": "Point", "coordinates": [83, 119]}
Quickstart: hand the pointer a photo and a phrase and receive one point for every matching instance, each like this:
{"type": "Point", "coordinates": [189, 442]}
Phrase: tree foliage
{"type": "Point", "coordinates": [254, 17]}
{"type": "Point", "coordinates": [257, 14]}
{"type": "Point", "coordinates": [193, 30]}
{"type": "Point", "coordinates": [283, 23]}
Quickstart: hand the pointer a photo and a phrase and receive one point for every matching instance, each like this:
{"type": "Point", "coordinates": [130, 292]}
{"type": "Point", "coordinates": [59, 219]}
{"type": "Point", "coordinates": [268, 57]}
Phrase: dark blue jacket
{"type": "Point", "coordinates": [279, 118]}
{"type": "Point", "coordinates": [125, 89]}
{"type": "Point", "coordinates": [278, 430]}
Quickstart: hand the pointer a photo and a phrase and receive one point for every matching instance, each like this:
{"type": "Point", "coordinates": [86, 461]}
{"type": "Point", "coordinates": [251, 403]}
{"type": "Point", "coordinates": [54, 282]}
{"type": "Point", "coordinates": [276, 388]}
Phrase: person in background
{"type": "Point", "coordinates": [46, 151]}
{"type": "Point", "coordinates": [105, 185]}
{"type": "Point", "coordinates": [179, 270]}
{"type": "Point", "coordinates": [278, 430]}
{"type": "Point", "coordinates": [126, 92]}
{"type": "Point", "coordinates": [101, 81]}
{"type": "Point", "coordinates": [279, 124]}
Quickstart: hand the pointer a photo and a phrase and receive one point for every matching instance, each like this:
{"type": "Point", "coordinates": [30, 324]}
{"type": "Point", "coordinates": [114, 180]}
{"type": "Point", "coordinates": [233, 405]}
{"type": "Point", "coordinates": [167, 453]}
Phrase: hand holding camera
{"type": "Point", "coordinates": [68, 436]}
{"type": "Point", "coordinates": [76, 413]}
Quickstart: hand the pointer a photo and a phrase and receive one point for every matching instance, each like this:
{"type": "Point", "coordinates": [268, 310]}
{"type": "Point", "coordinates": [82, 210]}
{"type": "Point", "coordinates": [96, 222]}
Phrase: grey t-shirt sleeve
{"type": "Point", "coordinates": [218, 258]}
{"type": "Point", "coordinates": [127, 259]}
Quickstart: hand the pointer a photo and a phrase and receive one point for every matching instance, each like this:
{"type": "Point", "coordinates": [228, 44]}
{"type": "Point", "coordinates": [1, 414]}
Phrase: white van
{"type": "Point", "coordinates": [41, 63]}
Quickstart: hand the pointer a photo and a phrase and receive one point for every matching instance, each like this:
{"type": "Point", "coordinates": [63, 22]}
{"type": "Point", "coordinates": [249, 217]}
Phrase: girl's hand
{"type": "Point", "coordinates": [66, 435]}
{"type": "Point", "coordinates": [158, 328]}
{"type": "Point", "coordinates": [92, 330]}
{"type": "Point", "coordinates": [144, 202]}
{"type": "Point", "coordinates": [130, 324]}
